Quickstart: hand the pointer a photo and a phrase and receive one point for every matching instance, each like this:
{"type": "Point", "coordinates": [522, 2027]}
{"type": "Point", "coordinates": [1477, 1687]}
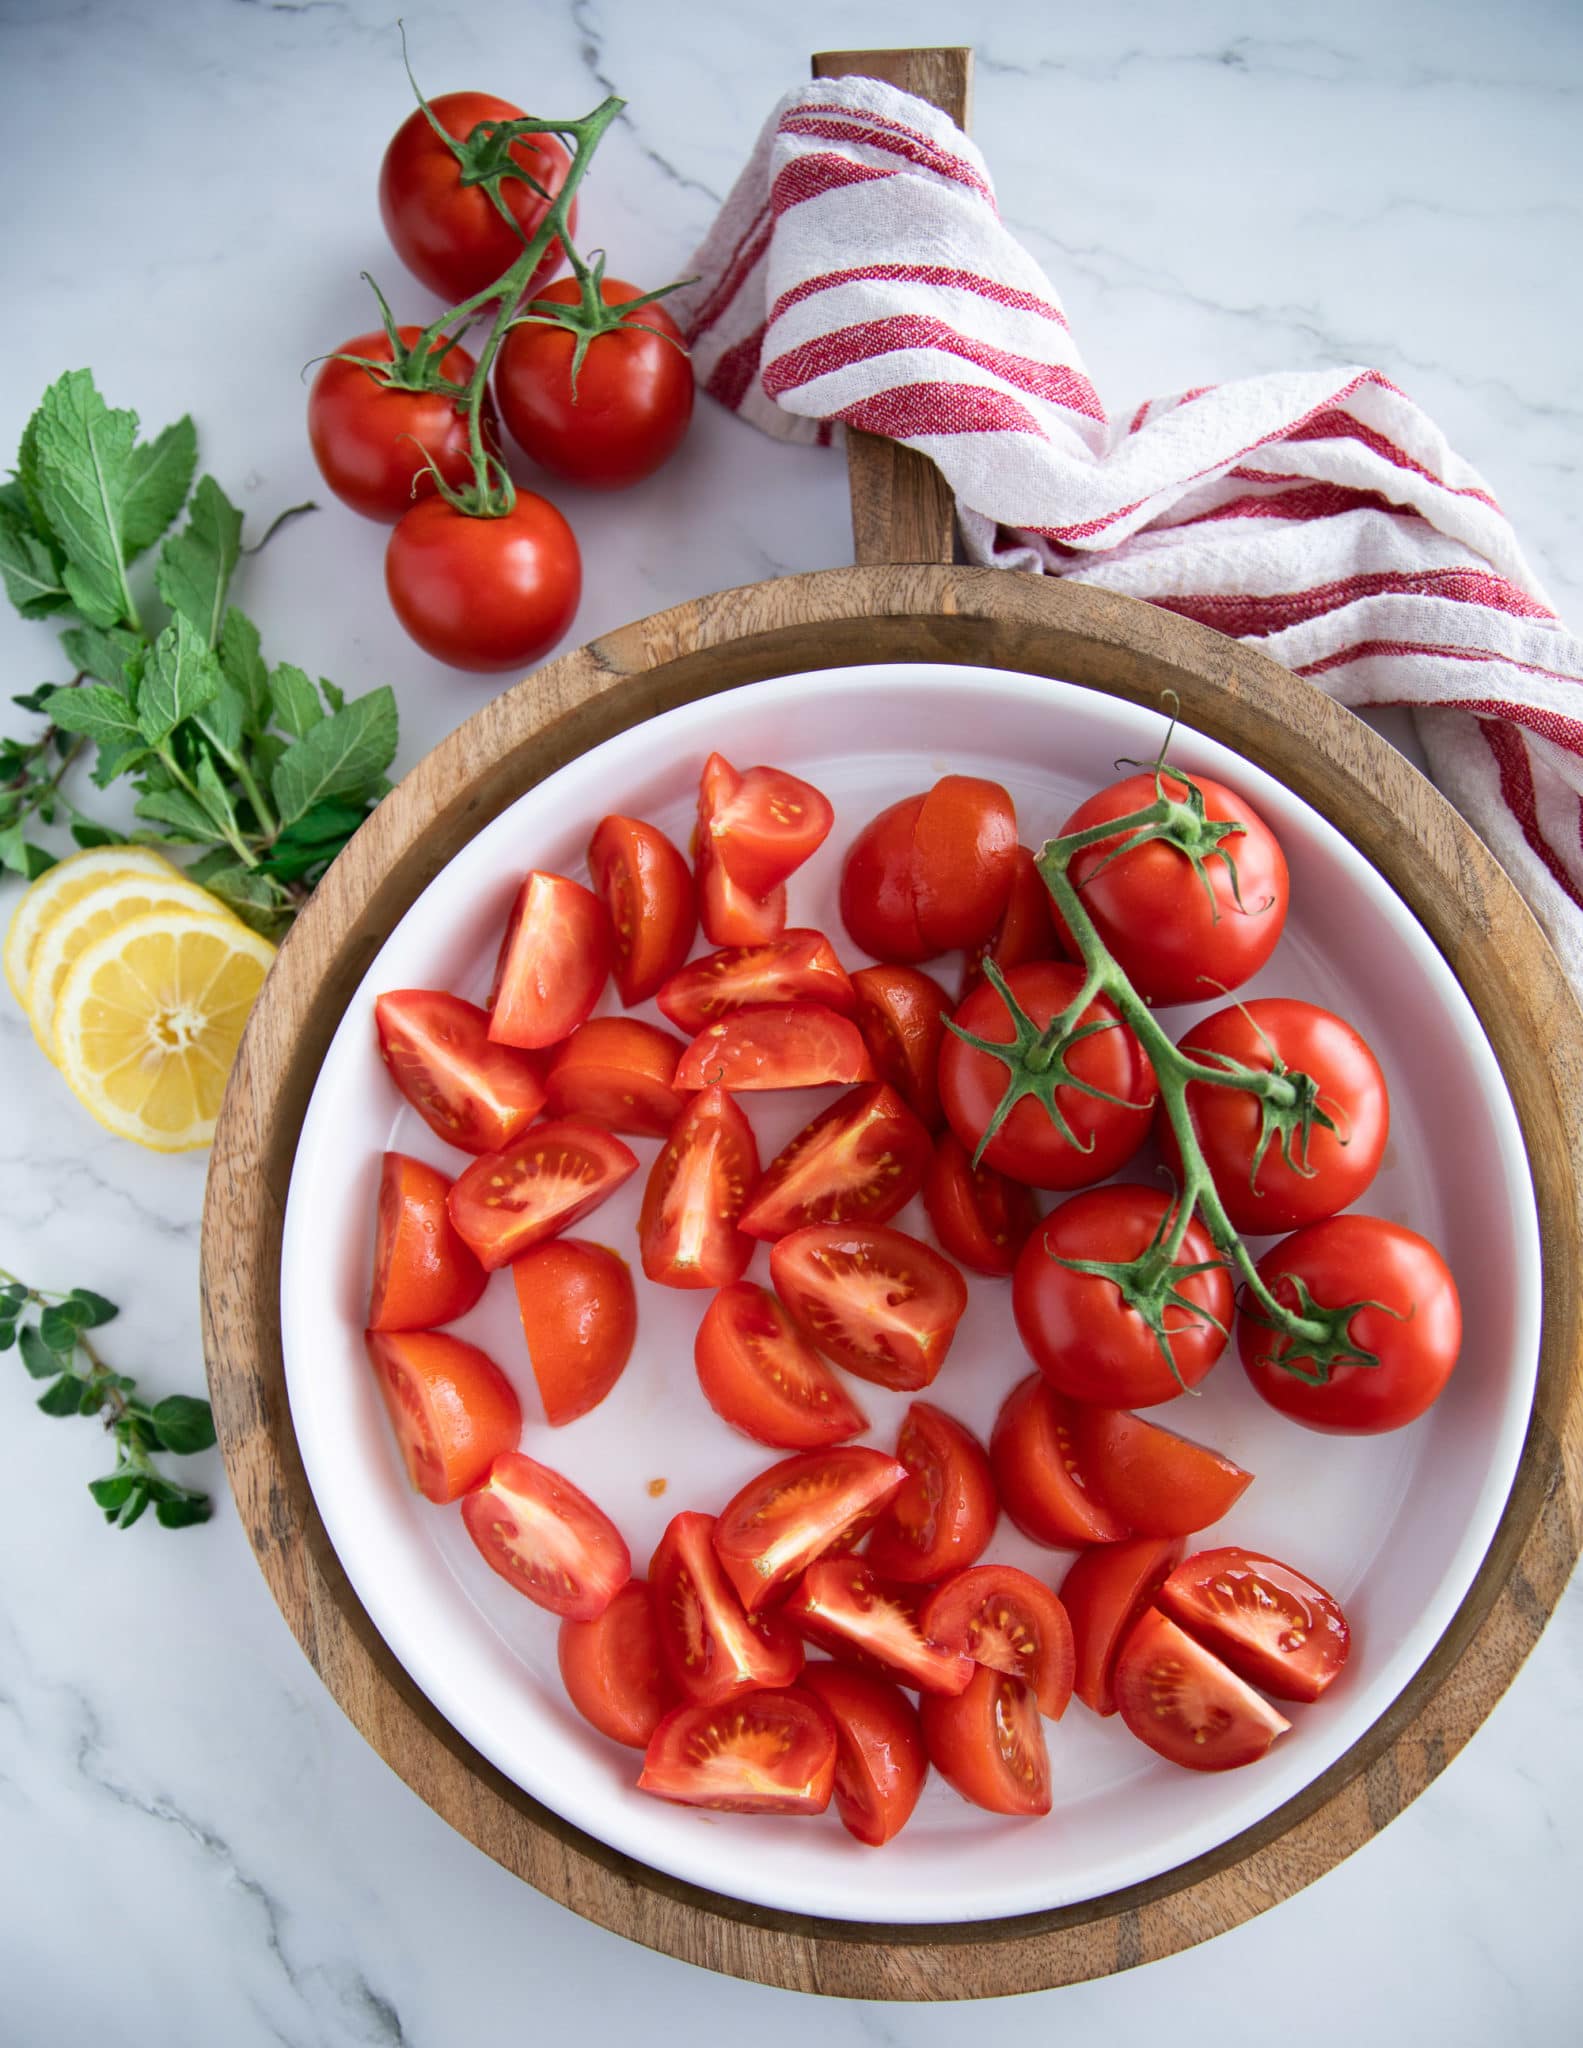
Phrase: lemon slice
{"type": "Point", "coordinates": [114, 901]}
{"type": "Point", "coordinates": [148, 1019]}
{"type": "Point", "coordinates": [57, 889]}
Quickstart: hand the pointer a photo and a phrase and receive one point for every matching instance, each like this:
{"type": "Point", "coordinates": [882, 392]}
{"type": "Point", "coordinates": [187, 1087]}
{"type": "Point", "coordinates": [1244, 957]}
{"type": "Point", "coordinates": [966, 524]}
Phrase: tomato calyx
{"type": "Point", "coordinates": [1318, 1336]}
{"type": "Point", "coordinates": [1180, 822]}
{"type": "Point", "coordinates": [594, 314]}
{"type": "Point", "coordinates": [1150, 1283]}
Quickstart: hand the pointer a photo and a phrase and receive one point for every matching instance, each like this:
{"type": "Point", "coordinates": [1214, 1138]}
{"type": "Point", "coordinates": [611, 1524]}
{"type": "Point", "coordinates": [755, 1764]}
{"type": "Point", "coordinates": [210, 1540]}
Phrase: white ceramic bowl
{"type": "Point", "coordinates": [1395, 1526]}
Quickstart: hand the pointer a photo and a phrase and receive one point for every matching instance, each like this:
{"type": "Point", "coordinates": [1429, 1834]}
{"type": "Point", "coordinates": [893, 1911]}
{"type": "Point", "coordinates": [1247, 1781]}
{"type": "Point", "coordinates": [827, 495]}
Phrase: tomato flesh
{"type": "Point", "coordinates": [785, 1045]}
{"type": "Point", "coordinates": [452, 1408]}
{"type": "Point", "coordinates": [1159, 1483]}
{"type": "Point", "coordinates": [580, 1318]}
{"type": "Point", "coordinates": [980, 1217]}
{"type": "Point", "coordinates": [553, 965]}
{"type": "Point", "coordinates": [1104, 1594]}
{"type": "Point", "coordinates": [473, 1093]}
{"type": "Point", "coordinates": [1186, 1704]}
{"type": "Point", "coordinates": [545, 1537]}
{"type": "Point", "coordinates": [860, 1161]}
{"type": "Point", "coordinates": [647, 890]}
{"type": "Point", "coordinates": [551, 1178]}
{"type": "Point", "coordinates": [423, 1273]}
{"type": "Point", "coordinates": [621, 1071]}
{"type": "Point", "coordinates": [762, 824]}
{"type": "Point", "coordinates": [612, 1669]}
{"type": "Point", "coordinates": [988, 1744]}
{"type": "Point", "coordinates": [711, 1646]}
{"type": "Point", "coordinates": [901, 1013]}
{"type": "Point", "coordinates": [729, 915]}
{"type": "Point", "coordinates": [784, 1517]}
{"type": "Point", "coordinates": [798, 967]}
{"type": "Point", "coordinates": [689, 1230]}
{"type": "Point", "coordinates": [1011, 1622]}
{"type": "Point", "coordinates": [759, 1373]}
{"type": "Point", "coordinates": [872, 1299]}
{"type": "Point", "coordinates": [766, 1752]}
{"type": "Point", "coordinates": [944, 1513]}
{"type": "Point", "coordinates": [1042, 1482]}
{"type": "Point", "coordinates": [881, 1762]}
{"type": "Point", "coordinates": [1274, 1627]}
{"type": "Point", "coordinates": [845, 1608]}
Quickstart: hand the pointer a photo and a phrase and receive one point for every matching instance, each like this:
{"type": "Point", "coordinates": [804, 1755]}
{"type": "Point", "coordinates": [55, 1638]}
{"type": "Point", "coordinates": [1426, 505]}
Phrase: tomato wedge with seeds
{"type": "Point", "coordinates": [873, 1299]}
{"type": "Point", "coordinates": [689, 1231]}
{"type": "Point", "coordinates": [980, 1217]}
{"type": "Point", "coordinates": [944, 1513]}
{"type": "Point", "coordinates": [1159, 1483]}
{"type": "Point", "coordinates": [1186, 1704]}
{"type": "Point", "coordinates": [1043, 1485]}
{"type": "Point", "coordinates": [612, 1670]}
{"type": "Point", "coordinates": [988, 1744]}
{"type": "Point", "coordinates": [784, 1517]}
{"type": "Point", "coordinates": [423, 1273]}
{"type": "Point", "coordinates": [766, 1752]}
{"type": "Point", "coordinates": [452, 1408]}
{"type": "Point", "coordinates": [800, 967]}
{"type": "Point", "coordinates": [619, 1070]}
{"type": "Point", "coordinates": [1026, 930]}
{"type": "Point", "coordinates": [1010, 1621]}
{"type": "Point", "coordinates": [547, 1538]}
{"type": "Point", "coordinates": [849, 1610]}
{"type": "Point", "coordinates": [580, 1318]}
{"type": "Point", "coordinates": [710, 1645]}
{"type": "Point", "coordinates": [729, 915]}
{"type": "Point", "coordinates": [647, 888]}
{"type": "Point", "coordinates": [880, 1762]}
{"type": "Point", "coordinates": [901, 1013]}
{"type": "Point", "coordinates": [860, 1161]}
{"type": "Point", "coordinates": [759, 1373]}
{"type": "Point", "coordinates": [1273, 1626]}
{"type": "Point", "coordinates": [473, 1093]}
{"type": "Point", "coordinates": [761, 822]}
{"type": "Point", "coordinates": [550, 1179]}
{"type": "Point", "coordinates": [786, 1045]}
{"type": "Point", "coordinates": [553, 965]}
{"type": "Point", "coordinates": [1104, 1594]}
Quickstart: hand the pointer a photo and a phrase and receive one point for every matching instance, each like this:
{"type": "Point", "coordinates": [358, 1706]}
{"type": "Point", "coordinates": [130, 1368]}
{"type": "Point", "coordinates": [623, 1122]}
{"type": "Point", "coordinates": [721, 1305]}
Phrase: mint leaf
{"type": "Point", "coordinates": [30, 570]}
{"type": "Point", "coordinates": [295, 700]}
{"type": "Point", "coordinates": [179, 677]}
{"type": "Point", "coordinates": [338, 757]}
{"type": "Point", "coordinates": [183, 1510]}
{"type": "Point", "coordinates": [20, 856]}
{"type": "Point", "coordinates": [98, 711]}
{"type": "Point", "coordinates": [91, 836]}
{"type": "Point", "coordinates": [101, 651]}
{"type": "Point", "coordinates": [184, 1423]}
{"type": "Point", "coordinates": [195, 565]}
{"type": "Point", "coordinates": [136, 1502]}
{"type": "Point", "coordinates": [160, 477]}
{"type": "Point", "coordinates": [83, 458]}
{"type": "Point", "coordinates": [27, 466]}
{"type": "Point", "coordinates": [223, 719]}
{"type": "Point", "coordinates": [243, 666]}
{"type": "Point", "coordinates": [335, 698]}
{"type": "Point", "coordinates": [216, 796]}
{"type": "Point", "coordinates": [88, 1309]}
{"type": "Point", "coordinates": [111, 1491]}
{"type": "Point", "coordinates": [181, 813]}
{"type": "Point", "coordinates": [312, 841]}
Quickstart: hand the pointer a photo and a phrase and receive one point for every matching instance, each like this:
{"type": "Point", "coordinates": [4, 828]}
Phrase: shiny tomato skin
{"type": "Point", "coordinates": [988, 1744]}
{"type": "Point", "coordinates": [452, 1408]}
{"type": "Point", "coordinates": [1177, 941]}
{"type": "Point", "coordinates": [881, 1762]}
{"type": "Point", "coordinates": [878, 902]}
{"type": "Point", "coordinates": [553, 963]}
{"type": "Point", "coordinates": [553, 1176]}
{"type": "Point", "coordinates": [612, 1669]}
{"type": "Point", "coordinates": [1187, 1705]}
{"type": "Point", "coordinates": [473, 1093]}
{"type": "Point", "coordinates": [1274, 1627]}
{"type": "Point", "coordinates": [484, 594]}
{"type": "Point", "coordinates": [872, 1299]}
{"type": "Point", "coordinates": [689, 1229]}
{"type": "Point", "coordinates": [1339, 1164]}
{"type": "Point", "coordinates": [423, 1272]}
{"type": "Point", "coordinates": [1026, 930]}
{"type": "Point", "coordinates": [450, 235]}
{"type": "Point", "coordinates": [762, 823]}
{"type": "Point", "coordinates": [370, 438]}
{"type": "Point", "coordinates": [1040, 1481]}
{"type": "Point", "coordinates": [766, 1752]}
{"type": "Point", "coordinates": [1011, 1622]}
{"type": "Point", "coordinates": [729, 915]}
{"type": "Point", "coordinates": [901, 1013]}
{"type": "Point", "coordinates": [944, 1513]}
{"type": "Point", "coordinates": [1416, 1336]}
{"type": "Point", "coordinates": [1105, 1593]}
{"type": "Point", "coordinates": [860, 1161]}
{"type": "Point", "coordinates": [980, 1217]}
{"type": "Point", "coordinates": [798, 967]}
{"type": "Point", "coordinates": [631, 404]}
{"type": "Point", "coordinates": [1159, 1483]}
{"type": "Point", "coordinates": [783, 1045]}
{"type": "Point", "coordinates": [1084, 1338]}
{"type": "Point", "coordinates": [712, 1649]}
{"type": "Point", "coordinates": [759, 1373]}
{"type": "Point", "coordinates": [546, 1538]}
{"type": "Point", "coordinates": [1028, 1146]}
{"type": "Point", "coordinates": [580, 1319]}
{"type": "Point", "coordinates": [783, 1518]}
{"type": "Point", "coordinates": [620, 1070]}
{"type": "Point", "coordinates": [841, 1604]}
{"type": "Point", "coordinates": [647, 888]}
{"type": "Point", "coordinates": [932, 872]}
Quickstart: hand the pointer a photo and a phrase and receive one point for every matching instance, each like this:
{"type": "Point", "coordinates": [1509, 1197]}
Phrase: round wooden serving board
{"type": "Point", "coordinates": [925, 612]}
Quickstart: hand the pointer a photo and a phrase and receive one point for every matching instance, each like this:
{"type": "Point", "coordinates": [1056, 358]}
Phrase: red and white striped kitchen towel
{"type": "Point", "coordinates": [860, 274]}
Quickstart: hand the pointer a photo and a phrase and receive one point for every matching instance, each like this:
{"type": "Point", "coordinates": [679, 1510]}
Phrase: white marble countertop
{"type": "Point", "coordinates": [197, 1847]}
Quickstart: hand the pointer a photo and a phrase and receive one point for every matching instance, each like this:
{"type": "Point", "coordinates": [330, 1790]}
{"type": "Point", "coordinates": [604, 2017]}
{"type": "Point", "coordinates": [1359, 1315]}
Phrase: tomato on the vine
{"type": "Point", "coordinates": [485, 592]}
{"type": "Point", "coordinates": [370, 437]}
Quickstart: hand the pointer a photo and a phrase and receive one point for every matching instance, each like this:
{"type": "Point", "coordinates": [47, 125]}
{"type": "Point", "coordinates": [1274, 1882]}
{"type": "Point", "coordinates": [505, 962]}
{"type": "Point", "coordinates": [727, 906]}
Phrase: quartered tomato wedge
{"type": "Point", "coordinates": [785, 1517]}
{"type": "Point", "coordinates": [546, 1537]}
{"type": "Point", "coordinates": [1026, 930]}
{"type": "Point", "coordinates": [881, 1762]}
{"type": "Point", "coordinates": [1160, 1484]}
{"type": "Point", "coordinates": [689, 1231]}
{"type": "Point", "coordinates": [553, 1176]}
{"type": "Point", "coordinates": [1274, 1627]}
{"type": "Point", "coordinates": [759, 1373]}
{"type": "Point", "coordinates": [1104, 1594]}
{"type": "Point", "coordinates": [619, 1070]}
{"type": "Point", "coordinates": [845, 1608]}
{"type": "Point", "coordinates": [647, 888]}
{"type": "Point", "coordinates": [423, 1273]}
{"type": "Point", "coordinates": [711, 1647]}
{"type": "Point", "coordinates": [580, 1317]}
{"type": "Point", "coordinates": [799, 967]}
{"type": "Point", "coordinates": [554, 963]}
{"type": "Point", "coordinates": [787, 1045]}
{"type": "Point", "coordinates": [452, 1408]}
{"type": "Point", "coordinates": [945, 1511]}
{"type": "Point", "coordinates": [612, 1670]}
{"type": "Point", "coordinates": [873, 1299]}
{"type": "Point", "coordinates": [901, 1013]}
{"type": "Point", "coordinates": [988, 1744]}
{"type": "Point", "coordinates": [762, 823]}
{"type": "Point", "coordinates": [1186, 1705]}
{"type": "Point", "coordinates": [1010, 1621]}
{"type": "Point", "coordinates": [860, 1161]}
{"type": "Point", "coordinates": [730, 916]}
{"type": "Point", "coordinates": [980, 1217]}
{"type": "Point", "coordinates": [471, 1092]}
{"type": "Point", "coordinates": [1043, 1485]}
{"type": "Point", "coordinates": [767, 1752]}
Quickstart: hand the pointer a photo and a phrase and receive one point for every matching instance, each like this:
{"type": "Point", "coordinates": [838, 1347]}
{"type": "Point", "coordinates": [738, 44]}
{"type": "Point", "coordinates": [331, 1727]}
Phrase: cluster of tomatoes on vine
{"type": "Point", "coordinates": [588, 375]}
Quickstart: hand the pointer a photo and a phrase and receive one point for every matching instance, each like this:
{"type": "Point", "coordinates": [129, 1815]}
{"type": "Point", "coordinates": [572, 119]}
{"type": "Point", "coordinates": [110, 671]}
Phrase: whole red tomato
{"type": "Point", "coordinates": [448, 234]}
{"type": "Point", "coordinates": [369, 438]}
{"type": "Point", "coordinates": [632, 401]}
{"type": "Point", "coordinates": [484, 594]}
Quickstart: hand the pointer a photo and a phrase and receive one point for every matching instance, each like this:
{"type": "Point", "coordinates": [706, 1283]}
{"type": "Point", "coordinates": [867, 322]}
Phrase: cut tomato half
{"type": "Point", "coordinates": [800, 967]}
{"type": "Point", "coordinates": [785, 1517]}
{"type": "Point", "coordinates": [881, 1762]}
{"type": "Point", "coordinates": [1186, 1704]}
{"type": "Point", "coordinates": [848, 1610]}
{"type": "Point", "coordinates": [759, 1373]}
{"type": "Point", "coordinates": [689, 1231]}
{"type": "Point", "coordinates": [762, 823]}
{"type": "Point", "coordinates": [612, 1669]}
{"type": "Point", "coordinates": [767, 1752]}
{"type": "Point", "coordinates": [1043, 1484]}
{"type": "Point", "coordinates": [980, 1217]}
{"type": "Point", "coordinates": [547, 1538]}
{"type": "Point", "coordinates": [621, 1071]}
{"type": "Point", "coordinates": [423, 1273]}
{"type": "Point", "coordinates": [943, 1515]}
{"type": "Point", "coordinates": [1158, 1483]}
{"type": "Point", "coordinates": [580, 1318]}
{"type": "Point", "coordinates": [554, 962]}
{"type": "Point", "coordinates": [647, 888]}
{"type": "Point", "coordinates": [1105, 1594]}
{"type": "Point", "coordinates": [710, 1645]}
{"type": "Point", "coordinates": [452, 1408]}
{"type": "Point", "coordinates": [1274, 1627]}
{"type": "Point", "coordinates": [859, 1161]}
{"type": "Point", "coordinates": [550, 1179]}
{"type": "Point", "coordinates": [789, 1045]}
{"type": "Point", "coordinates": [901, 1013]}
{"type": "Point", "coordinates": [1010, 1621]}
{"type": "Point", "coordinates": [469, 1091]}
{"type": "Point", "coordinates": [988, 1744]}
{"type": "Point", "coordinates": [874, 1300]}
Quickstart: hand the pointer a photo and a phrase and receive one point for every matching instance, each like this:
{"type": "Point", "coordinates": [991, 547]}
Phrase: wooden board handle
{"type": "Point", "coordinates": [902, 508]}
